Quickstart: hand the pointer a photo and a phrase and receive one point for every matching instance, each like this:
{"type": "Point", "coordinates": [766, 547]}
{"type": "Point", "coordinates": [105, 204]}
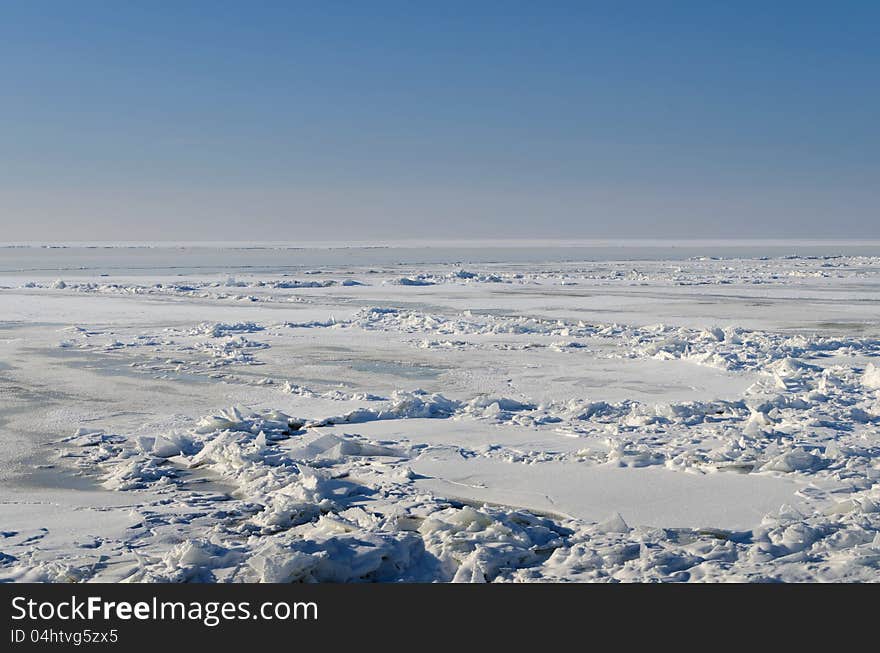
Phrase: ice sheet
{"type": "Point", "coordinates": [696, 412]}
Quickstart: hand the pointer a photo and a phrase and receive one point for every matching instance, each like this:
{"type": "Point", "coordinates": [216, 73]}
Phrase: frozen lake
{"type": "Point", "coordinates": [261, 257]}
{"type": "Point", "coordinates": [440, 411]}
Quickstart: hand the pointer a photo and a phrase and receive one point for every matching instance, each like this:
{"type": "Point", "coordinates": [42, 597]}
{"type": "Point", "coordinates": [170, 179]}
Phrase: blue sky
{"type": "Point", "coordinates": [334, 120]}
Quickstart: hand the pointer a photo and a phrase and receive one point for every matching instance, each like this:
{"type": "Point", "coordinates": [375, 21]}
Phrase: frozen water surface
{"type": "Point", "coordinates": [651, 496]}
{"type": "Point", "coordinates": [600, 411]}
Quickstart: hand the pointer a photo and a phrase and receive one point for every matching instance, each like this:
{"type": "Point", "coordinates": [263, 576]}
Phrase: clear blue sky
{"type": "Point", "coordinates": [334, 120]}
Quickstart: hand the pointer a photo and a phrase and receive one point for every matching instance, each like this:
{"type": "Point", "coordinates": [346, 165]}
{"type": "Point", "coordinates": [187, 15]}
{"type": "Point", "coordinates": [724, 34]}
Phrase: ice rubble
{"type": "Point", "coordinates": [871, 377]}
{"type": "Point", "coordinates": [220, 329]}
{"type": "Point", "coordinates": [302, 504]}
{"type": "Point", "coordinates": [344, 509]}
{"type": "Point", "coordinates": [202, 349]}
{"type": "Point", "coordinates": [302, 519]}
{"type": "Point", "coordinates": [698, 271]}
{"type": "Point", "coordinates": [731, 348]}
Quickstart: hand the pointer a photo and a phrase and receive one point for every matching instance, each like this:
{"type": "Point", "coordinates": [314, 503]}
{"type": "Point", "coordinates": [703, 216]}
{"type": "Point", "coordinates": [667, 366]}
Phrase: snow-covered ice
{"type": "Point", "coordinates": [697, 412]}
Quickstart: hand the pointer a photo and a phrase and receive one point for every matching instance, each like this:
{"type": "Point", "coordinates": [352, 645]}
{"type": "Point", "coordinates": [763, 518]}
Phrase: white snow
{"type": "Point", "coordinates": [356, 416]}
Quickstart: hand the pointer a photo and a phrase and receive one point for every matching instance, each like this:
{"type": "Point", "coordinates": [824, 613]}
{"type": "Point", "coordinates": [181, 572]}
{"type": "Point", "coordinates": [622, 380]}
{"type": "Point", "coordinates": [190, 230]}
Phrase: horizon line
{"type": "Point", "coordinates": [440, 242]}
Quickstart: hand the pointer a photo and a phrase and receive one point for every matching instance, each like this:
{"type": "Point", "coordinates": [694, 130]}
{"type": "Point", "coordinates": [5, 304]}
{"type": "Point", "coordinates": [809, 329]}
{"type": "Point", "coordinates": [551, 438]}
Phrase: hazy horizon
{"type": "Point", "coordinates": [440, 242]}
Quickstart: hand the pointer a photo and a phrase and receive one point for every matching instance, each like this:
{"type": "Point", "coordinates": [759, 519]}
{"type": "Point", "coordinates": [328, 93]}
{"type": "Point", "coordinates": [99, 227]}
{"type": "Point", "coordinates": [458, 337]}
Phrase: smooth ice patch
{"type": "Point", "coordinates": [648, 496]}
